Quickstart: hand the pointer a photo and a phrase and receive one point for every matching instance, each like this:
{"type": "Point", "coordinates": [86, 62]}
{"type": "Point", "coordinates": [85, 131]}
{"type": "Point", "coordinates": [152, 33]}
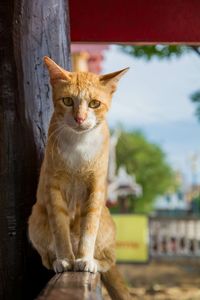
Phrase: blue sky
{"type": "Point", "coordinates": [154, 97]}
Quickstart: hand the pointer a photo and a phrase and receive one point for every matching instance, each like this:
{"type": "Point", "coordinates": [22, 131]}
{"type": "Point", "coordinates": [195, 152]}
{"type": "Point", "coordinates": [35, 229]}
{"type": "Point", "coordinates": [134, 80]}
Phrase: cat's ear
{"type": "Point", "coordinates": [55, 71]}
{"type": "Point", "coordinates": [112, 79]}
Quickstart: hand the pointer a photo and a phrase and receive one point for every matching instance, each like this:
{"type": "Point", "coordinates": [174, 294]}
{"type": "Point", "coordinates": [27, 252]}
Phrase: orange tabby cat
{"type": "Point", "coordinates": [70, 226]}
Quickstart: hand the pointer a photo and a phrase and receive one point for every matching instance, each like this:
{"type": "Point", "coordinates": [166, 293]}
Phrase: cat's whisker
{"type": "Point", "coordinates": [55, 131]}
{"type": "Point", "coordinates": [56, 140]}
{"type": "Point", "coordinates": [57, 121]}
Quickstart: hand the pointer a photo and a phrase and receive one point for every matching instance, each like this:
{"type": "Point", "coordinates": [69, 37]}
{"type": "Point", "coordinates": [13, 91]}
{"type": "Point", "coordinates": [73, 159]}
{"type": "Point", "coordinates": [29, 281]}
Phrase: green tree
{"type": "Point", "coordinates": [148, 163]}
{"type": "Point", "coordinates": [195, 97]}
{"type": "Point", "coordinates": [165, 52]}
{"type": "Point", "coordinates": [159, 51]}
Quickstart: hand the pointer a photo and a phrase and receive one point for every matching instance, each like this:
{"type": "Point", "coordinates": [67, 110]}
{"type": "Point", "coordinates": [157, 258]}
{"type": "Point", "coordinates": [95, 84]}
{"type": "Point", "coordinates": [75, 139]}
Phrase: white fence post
{"type": "Point", "coordinates": [177, 237]}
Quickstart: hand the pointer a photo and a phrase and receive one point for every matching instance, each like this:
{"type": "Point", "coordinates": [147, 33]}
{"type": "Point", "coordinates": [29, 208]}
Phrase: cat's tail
{"type": "Point", "coordinates": [115, 285]}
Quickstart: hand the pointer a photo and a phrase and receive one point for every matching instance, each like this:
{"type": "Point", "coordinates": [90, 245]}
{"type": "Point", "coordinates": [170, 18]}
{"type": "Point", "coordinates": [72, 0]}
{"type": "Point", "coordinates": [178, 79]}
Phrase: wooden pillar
{"type": "Point", "coordinates": [29, 30]}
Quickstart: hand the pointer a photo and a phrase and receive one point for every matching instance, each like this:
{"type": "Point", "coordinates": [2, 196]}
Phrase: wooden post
{"type": "Point", "coordinates": [29, 30]}
{"type": "Point", "coordinates": [73, 286]}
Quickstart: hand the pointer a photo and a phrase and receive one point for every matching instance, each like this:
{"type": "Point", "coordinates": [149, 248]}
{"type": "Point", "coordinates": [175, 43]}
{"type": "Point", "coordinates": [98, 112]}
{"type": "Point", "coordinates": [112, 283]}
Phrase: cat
{"type": "Point", "coordinates": [70, 225]}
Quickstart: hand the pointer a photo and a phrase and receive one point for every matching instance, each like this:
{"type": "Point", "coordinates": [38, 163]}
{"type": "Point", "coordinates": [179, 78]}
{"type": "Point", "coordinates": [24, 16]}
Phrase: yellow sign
{"type": "Point", "coordinates": [132, 238]}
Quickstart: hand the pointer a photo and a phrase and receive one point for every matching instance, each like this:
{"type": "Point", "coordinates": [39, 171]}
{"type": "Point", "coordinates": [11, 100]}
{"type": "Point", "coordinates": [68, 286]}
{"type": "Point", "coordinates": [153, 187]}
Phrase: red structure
{"type": "Point", "coordinates": [135, 21]}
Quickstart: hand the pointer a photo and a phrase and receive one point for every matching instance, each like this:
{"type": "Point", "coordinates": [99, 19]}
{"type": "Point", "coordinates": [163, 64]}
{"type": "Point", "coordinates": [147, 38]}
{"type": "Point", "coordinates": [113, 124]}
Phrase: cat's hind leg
{"type": "Point", "coordinates": [40, 235]}
{"type": "Point", "coordinates": [105, 258]}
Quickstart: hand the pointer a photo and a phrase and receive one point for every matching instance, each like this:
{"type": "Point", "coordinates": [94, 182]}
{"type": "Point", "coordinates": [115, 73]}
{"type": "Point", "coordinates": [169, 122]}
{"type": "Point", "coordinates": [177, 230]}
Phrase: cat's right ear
{"type": "Point", "coordinates": [56, 72]}
{"type": "Point", "coordinates": [111, 80]}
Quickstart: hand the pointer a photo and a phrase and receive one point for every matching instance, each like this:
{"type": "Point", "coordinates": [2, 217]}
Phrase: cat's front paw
{"type": "Point", "coordinates": [62, 265]}
{"type": "Point", "coordinates": [86, 265]}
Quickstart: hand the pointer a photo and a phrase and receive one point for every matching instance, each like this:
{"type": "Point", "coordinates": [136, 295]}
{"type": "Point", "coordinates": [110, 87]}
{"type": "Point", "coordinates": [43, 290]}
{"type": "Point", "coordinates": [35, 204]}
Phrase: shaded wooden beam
{"type": "Point", "coordinates": [28, 31]}
{"type": "Point", "coordinates": [135, 21]}
{"type": "Point", "coordinates": [73, 286]}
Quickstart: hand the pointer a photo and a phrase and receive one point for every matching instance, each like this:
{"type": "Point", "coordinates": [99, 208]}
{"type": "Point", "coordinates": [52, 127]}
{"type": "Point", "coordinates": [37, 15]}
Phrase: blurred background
{"type": "Point", "coordinates": [154, 166]}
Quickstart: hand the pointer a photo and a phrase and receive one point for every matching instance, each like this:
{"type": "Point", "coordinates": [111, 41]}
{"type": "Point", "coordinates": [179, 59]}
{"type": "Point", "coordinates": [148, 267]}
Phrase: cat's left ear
{"type": "Point", "coordinates": [55, 71]}
{"type": "Point", "coordinates": [111, 79]}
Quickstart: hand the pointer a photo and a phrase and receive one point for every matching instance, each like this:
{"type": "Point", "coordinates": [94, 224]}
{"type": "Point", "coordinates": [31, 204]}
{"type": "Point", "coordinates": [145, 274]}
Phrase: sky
{"type": "Point", "coordinates": [154, 97]}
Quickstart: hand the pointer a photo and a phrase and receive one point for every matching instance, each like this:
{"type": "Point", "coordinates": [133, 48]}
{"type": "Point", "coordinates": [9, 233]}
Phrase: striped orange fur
{"type": "Point", "coordinates": [70, 226]}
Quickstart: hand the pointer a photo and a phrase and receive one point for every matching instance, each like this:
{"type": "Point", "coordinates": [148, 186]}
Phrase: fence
{"type": "Point", "coordinates": [174, 237]}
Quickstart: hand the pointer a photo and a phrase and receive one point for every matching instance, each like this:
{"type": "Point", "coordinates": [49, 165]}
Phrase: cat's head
{"type": "Point", "coordinates": [81, 99]}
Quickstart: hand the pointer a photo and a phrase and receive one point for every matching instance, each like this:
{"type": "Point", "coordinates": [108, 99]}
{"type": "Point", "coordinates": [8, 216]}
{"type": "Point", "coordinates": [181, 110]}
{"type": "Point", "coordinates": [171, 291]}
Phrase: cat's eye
{"type": "Point", "coordinates": [68, 101]}
{"type": "Point", "coordinates": [94, 104]}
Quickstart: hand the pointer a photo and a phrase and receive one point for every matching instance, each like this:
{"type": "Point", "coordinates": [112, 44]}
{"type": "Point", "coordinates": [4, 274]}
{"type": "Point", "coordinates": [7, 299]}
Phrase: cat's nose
{"type": "Point", "coordinates": [79, 120]}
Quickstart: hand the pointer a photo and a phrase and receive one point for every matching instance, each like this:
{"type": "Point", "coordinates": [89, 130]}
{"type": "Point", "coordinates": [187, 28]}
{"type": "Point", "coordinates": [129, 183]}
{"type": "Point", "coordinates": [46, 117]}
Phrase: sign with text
{"type": "Point", "coordinates": [132, 238]}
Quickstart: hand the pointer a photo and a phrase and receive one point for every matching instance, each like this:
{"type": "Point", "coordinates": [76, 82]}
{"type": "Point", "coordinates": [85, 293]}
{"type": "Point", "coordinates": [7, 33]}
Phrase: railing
{"type": "Point", "coordinates": [174, 237]}
{"type": "Point", "coordinates": [73, 286]}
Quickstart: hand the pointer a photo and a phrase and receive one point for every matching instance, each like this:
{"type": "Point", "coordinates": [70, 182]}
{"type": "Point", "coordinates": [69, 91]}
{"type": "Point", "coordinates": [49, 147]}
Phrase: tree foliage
{"type": "Point", "coordinates": [159, 51]}
{"type": "Point", "coordinates": [148, 163]}
{"type": "Point", "coordinates": [195, 97]}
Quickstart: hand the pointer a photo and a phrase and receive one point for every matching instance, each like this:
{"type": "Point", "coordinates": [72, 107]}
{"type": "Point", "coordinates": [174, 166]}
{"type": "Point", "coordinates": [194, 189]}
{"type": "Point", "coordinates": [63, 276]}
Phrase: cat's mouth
{"type": "Point", "coordinates": [85, 128]}
{"type": "Point", "coordinates": [82, 128]}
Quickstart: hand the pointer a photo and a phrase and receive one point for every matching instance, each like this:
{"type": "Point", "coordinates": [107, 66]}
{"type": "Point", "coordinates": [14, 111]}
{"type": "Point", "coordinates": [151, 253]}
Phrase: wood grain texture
{"type": "Point", "coordinates": [73, 286]}
{"type": "Point", "coordinates": [28, 31]}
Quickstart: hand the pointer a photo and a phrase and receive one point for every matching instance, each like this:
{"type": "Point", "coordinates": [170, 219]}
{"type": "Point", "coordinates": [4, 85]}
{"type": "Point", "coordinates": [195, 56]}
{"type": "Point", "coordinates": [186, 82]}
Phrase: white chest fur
{"type": "Point", "coordinates": [77, 149]}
